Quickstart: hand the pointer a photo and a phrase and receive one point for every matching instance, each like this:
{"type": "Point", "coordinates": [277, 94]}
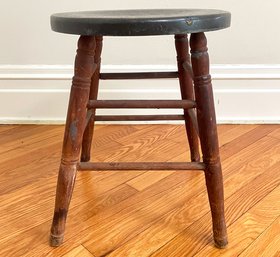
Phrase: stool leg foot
{"type": "Point", "coordinates": [56, 241]}
{"type": "Point", "coordinates": [65, 186]}
{"type": "Point", "coordinates": [187, 91]}
{"type": "Point", "coordinates": [208, 136]}
{"type": "Point", "coordinates": [214, 183]}
{"type": "Point", "coordinates": [75, 124]}
{"type": "Point", "coordinates": [88, 134]}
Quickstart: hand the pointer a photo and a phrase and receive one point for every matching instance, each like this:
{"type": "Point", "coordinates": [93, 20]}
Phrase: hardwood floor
{"type": "Point", "coordinates": [140, 213]}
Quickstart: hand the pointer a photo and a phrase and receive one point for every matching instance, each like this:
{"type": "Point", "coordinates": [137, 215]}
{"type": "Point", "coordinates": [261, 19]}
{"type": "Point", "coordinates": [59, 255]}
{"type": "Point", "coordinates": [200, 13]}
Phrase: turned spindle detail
{"type": "Point", "coordinates": [208, 135]}
{"type": "Point", "coordinates": [88, 133]}
{"type": "Point", "coordinates": [187, 91]}
{"type": "Point", "coordinates": [74, 128]}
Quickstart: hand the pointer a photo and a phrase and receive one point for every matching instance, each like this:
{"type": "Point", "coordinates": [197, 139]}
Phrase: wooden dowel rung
{"type": "Point", "coordinates": [119, 104]}
{"type": "Point", "coordinates": [137, 117]}
{"type": "Point", "coordinates": [139, 75]}
{"type": "Point", "coordinates": [141, 166]}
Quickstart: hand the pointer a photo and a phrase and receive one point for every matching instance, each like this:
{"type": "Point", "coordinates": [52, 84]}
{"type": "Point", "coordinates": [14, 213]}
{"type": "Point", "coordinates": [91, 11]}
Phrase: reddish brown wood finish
{"type": "Point", "coordinates": [187, 91]}
{"type": "Point", "coordinates": [139, 75]}
{"type": "Point", "coordinates": [141, 166]}
{"type": "Point", "coordinates": [138, 117]}
{"type": "Point", "coordinates": [88, 134]}
{"type": "Point", "coordinates": [84, 95]}
{"type": "Point", "coordinates": [208, 135]}
{"type": "Point", "coordinates": [174, 104]}
{"type": "Point", "coordinates": [75, 125]}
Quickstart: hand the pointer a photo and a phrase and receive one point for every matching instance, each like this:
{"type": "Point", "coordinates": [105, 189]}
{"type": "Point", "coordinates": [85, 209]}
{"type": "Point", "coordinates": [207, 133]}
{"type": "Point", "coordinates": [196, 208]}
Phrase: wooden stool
{"type": "Point", "coordinates": [91, 26]}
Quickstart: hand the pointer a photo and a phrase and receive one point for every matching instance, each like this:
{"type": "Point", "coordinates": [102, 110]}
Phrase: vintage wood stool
{"type": "Point", "coordinates": [92, 26]}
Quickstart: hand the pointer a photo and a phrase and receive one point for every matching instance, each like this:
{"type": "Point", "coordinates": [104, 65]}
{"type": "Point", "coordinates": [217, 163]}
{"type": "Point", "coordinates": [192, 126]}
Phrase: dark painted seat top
{"type": "Point", "coordinates": [140, 22]}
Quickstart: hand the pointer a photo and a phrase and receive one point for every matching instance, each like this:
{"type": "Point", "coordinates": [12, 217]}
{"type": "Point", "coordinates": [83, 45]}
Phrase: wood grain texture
{"type": "Point", "coordinates": [140, 213]}
{"type": "Point", "coordinates": [249, 226]}
{"type": "Point", "coordinates": [227, 133]}
{"type": "Point", "coordinates": [238, 199]}
{"type": "Point", "coordinates": [267, 244]}
{"type": "Point", "coordinates": [79, 251]}
{"type": "Point", "coordinates": [275, 133]}
{"type": "Point", "coordinates": [161, 232]}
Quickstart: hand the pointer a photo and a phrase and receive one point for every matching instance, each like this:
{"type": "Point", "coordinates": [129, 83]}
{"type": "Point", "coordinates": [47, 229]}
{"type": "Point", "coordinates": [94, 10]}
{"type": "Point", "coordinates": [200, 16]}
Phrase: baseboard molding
{"type": "Point", "coordinates": [38, 94]}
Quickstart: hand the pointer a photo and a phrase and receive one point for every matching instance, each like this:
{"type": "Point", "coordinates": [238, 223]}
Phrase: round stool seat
{"type": "Point", "coordinates": [140, 22]}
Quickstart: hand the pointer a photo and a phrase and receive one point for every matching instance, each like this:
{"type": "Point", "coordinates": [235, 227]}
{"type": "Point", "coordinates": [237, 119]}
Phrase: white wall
{"type": "Point", "coordinates": [35, 62]}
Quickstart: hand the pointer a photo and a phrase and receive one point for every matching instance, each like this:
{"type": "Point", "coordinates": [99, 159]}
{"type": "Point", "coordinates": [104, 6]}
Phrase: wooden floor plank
{"type": "Point", "coordinates": [150, 134]}
{"type": "Point", "coordinates": [32, 209]}
{"type": "Point", "coordinates": [257, 148]}
{"type": "Point", "coordinates": [141, 145]}
{"type": "Point", "coordinates": [148, 178]}
{"type": "Point", "coordinates": [79, 251]}
{"type": "Point", "coordinates": [163, 231]}
{"type": "Point", "coordinates": [226, 134]}
{"type": "Point", "coordinates": [112, 133]}
{"type": "Point", "coordinates": [108, 221]}
{"type": "Point", "coordinates": [275, 133]}
{"type": "Point", "coordinates": [42, 213]}
{"type": "Point", "coordinates": [199, 234]}
{"type": "Point", "coordinates": [249, 226]}
{"type": "Point", "coordinates": [267, 244]}
{"type": "Point", "coordinates": [139, 213]}
{"type": "Point", "coordinates": [4, 128]}
{"type": "Point", "coordinates": [19, 169]}
{"type": "Point", "coordinates": [18, 133]}
{"type": "Point", "coordinates": [244, 140]}
{"type": "Point", "coordinates": [34, 139]}
{"type": "Point", "coordinates": [155, 142]}
{"type": "Point", "coordinates": [115, 179]}
{"type": "Point", "coordinates": [17, 163]}
{"type": "Point", "coordinates": [232, 132]}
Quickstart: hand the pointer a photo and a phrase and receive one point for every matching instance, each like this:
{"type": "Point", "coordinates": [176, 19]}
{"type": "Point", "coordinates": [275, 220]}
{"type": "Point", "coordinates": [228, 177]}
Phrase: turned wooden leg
{"type": "Point", "coordinates": [88, 134]}
{"type": "Point", "coordinates": [208, 135]}
{"type": "Point", "coordinates": [187, 92]}
{"type": "Point", "coordinates": [74, 127]}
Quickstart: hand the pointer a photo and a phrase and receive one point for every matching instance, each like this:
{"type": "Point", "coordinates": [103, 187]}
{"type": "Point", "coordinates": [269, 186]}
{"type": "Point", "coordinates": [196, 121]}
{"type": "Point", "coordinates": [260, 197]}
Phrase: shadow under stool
{"type": "Point", "coordinates": [196, 91]}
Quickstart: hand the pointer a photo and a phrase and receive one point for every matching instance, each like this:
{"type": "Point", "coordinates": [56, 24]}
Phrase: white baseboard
{"type": "Point", "coordinates": [39, 93]}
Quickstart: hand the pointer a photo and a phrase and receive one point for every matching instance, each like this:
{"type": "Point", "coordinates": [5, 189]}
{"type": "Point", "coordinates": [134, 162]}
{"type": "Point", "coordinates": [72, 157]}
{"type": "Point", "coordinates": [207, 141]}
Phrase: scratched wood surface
{"type": "Point", "coordinates": [140, 213]}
